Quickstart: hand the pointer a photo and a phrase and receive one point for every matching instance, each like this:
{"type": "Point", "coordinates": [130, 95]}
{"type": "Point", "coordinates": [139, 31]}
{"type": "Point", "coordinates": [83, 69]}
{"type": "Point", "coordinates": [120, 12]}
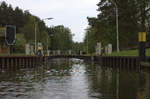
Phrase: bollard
{"type": "Point", "coordinates": [142, 46]}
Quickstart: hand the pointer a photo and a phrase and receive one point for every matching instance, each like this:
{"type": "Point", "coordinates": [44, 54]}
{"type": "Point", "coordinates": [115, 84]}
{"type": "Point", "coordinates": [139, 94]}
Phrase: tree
{"type": "Point", "coordinates": [26, 23]}
{"type": "Point", "coordinates": [19, 46]}
{"type": "Point", "coordinates": [61, 38]}
{"type": "Point", "coordinates": [29, 30]}
{"type": "Point", "coordinates": [132, 19]}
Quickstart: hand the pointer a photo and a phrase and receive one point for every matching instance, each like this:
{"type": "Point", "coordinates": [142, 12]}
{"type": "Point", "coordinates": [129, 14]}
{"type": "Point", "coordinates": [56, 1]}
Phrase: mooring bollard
{"type": "Point", "coordinates": [142, 46]}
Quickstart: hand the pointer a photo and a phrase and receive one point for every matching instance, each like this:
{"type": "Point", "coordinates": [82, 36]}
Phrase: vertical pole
{"type": "Point", "coordinates": [87, 42]}
{"type": "Point", "coordinates": [117, 28]}
{"type": "Point", "coordinates": [47, 44]}
{"type": "Point", "coordinates": [142, 51]}
{"type": "Point", "coordinates": [142, 46]}
{"type": "Point", "coordinates": [35, 40]}
{"type": "Point", "coordinates": [52, 43]}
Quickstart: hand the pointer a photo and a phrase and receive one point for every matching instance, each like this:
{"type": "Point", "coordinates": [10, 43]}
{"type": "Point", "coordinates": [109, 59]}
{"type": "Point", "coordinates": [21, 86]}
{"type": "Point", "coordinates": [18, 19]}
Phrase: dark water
{"type": "Point", "coordinates": [73, 79]}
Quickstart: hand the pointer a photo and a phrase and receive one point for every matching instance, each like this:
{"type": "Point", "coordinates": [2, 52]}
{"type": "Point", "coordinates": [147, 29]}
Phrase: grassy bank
{"type": "Point", "coordinates": [129, 53]}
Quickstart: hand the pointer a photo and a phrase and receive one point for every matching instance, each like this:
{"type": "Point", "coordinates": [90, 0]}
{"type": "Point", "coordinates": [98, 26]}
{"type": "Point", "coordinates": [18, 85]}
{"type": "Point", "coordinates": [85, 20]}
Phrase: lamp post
{"type": "Point", "coordinates": [35, 42]}
{"type": "Point", "coordinates": [117, 31]}
{"type": "Point", "coordinates": [51, 42]}
{"type": "Point", "coordinates": [72, 42]}
{"type": "Point", "coordinates": [87, 41]}
{"type": "Point", "coordinates": [35, 39]}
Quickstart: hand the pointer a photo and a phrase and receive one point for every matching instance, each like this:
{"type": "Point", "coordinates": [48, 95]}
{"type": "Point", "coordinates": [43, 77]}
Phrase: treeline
{"type": "Point", "coordinates": [26, 23]}
{"type": "Point", "coordinates": [61, 38]}
{"type": "Point", "coordinates": [133, 17]}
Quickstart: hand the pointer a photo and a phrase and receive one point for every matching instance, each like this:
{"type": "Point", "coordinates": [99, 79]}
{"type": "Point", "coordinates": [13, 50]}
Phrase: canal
{"type": "Point", "coordinates": [74, 79]}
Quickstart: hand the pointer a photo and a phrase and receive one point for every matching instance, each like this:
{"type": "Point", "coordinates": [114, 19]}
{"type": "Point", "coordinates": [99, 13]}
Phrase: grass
{"type": "Point", "coordinates": [129, 53]}
{"type": "Point", "coordinates": [121, 53]}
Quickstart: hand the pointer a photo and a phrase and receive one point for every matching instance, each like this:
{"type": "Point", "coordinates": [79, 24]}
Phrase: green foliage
{"type": "Point", "coordinates": [61, 38]}
{"type": "Point", "coordinates": [29, 30]}
{"type": "Point", "coordinates": [19, 46]}
{"type": "Point", "coordinates": [78, 47]}
{"type": "Point", "coordinates": [27, 25]}
{"type": "Point", "coordinates": [129, 53]}
{"type": "Point", "coordinates": [132, 19]}
{"type": "Point", "coordinates": [45, 39]}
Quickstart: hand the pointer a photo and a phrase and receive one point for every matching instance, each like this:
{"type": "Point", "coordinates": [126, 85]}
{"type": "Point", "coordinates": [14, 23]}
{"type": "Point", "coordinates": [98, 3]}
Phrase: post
{"type": "Point", "coordinates": [35, 40]}
{"type": "Point", "coordinates": [142, 45]}
{"type": "Point", "coordinates": [117, 28]}
{"type": "Point", "coordinates": [47, 44]}
{"type": "Point", "coordinates": [52, 43]}
{"type": "Point", "coordinates": [87, 42]}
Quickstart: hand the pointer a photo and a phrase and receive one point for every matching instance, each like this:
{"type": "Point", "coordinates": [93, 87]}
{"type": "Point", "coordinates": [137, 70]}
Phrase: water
{"type": "Point", "coordinates": [73, 79]}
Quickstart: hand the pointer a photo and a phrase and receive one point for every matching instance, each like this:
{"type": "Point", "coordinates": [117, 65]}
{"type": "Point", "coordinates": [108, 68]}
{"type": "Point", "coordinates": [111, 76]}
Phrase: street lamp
{"type": "Point", "coordinates": [116, 25]}
{"type": "Point", "coordinates": [35, 39]}
{"type": "Point", "coordinates": [87, 31]}
{"type": "Point", "coordinates": [51, 35]}
{"type": "Point", "coordinates": [72, 42]}
{"type": "Point", "coordinates": [47, 38]}
{"type": "Point", "coordinates": [87, 42]}
{"type": "Point", "coordinates": [35, 47]}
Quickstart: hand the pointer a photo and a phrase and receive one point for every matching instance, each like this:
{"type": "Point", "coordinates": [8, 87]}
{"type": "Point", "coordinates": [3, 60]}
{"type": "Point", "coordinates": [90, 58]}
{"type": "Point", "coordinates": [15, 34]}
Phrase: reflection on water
{"type": "Point", "coordinates": [73, 79]}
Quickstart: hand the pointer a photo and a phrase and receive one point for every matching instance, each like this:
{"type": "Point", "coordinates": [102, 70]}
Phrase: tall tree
{"type": "Point", "coordinates": [61, 38]}
{"type": "Point", "coordinates": [132, 19]}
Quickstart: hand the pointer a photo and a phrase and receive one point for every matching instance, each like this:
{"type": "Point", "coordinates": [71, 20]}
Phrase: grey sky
{"type": "Point", "coordinates": [70, 13]}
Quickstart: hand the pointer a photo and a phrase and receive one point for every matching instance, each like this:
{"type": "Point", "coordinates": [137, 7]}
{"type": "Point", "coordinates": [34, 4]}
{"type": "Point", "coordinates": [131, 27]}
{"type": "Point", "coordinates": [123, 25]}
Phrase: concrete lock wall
{"type": "Point", "coordinates": [98, 48]}
{"type": "Point", "coordinates": [70, 52]}
{"type": "Point", "coordinates": [80, 52]}
{"type": "Point", "coordinates": [58, 52]}
{"type": "Point", "coordinates": [108, 49]}
{"type": "Point", "coordinates": [48, 52]}
{"type": "Point", "coordinates": [32, 50]}
{"type": "Point", "coordinates": [27, 49]}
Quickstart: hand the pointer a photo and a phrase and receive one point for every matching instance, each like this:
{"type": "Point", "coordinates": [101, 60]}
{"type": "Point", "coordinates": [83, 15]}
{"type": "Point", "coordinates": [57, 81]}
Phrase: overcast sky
{"type": "Point", "coordinates": [70, 13]}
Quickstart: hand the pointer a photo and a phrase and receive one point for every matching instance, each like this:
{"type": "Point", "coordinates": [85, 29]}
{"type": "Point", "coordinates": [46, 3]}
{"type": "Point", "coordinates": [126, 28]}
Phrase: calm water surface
{"type": "Point", "coordinates": [74, 79]}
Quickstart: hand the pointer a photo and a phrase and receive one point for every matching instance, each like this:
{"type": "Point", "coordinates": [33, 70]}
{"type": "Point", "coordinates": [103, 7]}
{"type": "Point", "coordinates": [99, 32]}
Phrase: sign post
{"type": "Point", "coordinates": [142, 46]}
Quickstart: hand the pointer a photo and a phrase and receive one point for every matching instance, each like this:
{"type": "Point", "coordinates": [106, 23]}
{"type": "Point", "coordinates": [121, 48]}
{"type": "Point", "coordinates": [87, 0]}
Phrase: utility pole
{"type": "Point", "coordinates": [117, 26]}
{"type": "Point", "coordinates": [35, 47]}
{"type": "Point", "coordinates": [35, 42]}
{"type": "Point", "coordinates": [47, 44]}
{"type": "Point", "coordinates": [142, 34]}
{"type": "Point", "coordinates": [87, 41]}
